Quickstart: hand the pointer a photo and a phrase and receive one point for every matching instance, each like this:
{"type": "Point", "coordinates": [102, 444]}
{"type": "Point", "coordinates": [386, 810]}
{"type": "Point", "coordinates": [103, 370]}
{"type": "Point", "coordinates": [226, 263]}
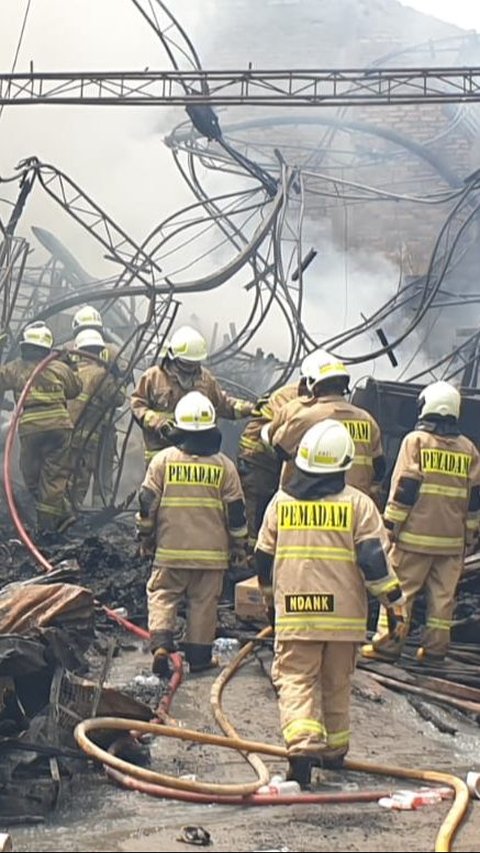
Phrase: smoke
{"type": "Point", "coordinates": [114, 153]}
{"type": "Point", "coordinates": [118, 157]}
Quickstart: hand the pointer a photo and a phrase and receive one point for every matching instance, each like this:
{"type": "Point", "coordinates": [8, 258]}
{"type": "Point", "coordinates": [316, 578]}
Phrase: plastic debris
{"type": "Point", "coordinates": [195, 835]}
{"type": "Point", "coordinates": [405, 800]}
{"type": "Point", "coordinates": [147, 680]}
{"type": "Point", "coordinates": [225, 649]}
{"type": "Point", "coordinates": [278, 785]}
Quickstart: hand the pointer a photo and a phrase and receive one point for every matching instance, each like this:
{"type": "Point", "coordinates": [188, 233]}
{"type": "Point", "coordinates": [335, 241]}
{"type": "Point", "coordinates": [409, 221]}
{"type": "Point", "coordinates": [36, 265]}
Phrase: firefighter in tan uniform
{"type": "Point", "coordinates": [101, 393]}
{"type": "Point", "coordinates": [45, 426]}
{"type": "Point", "coordinates": [192, 508]}
{"type": "Point", "coordinates": [87, 319]}
{"type": "Point", "coordinates": [257, 463]}
{"type": "Point", "coordinates": [321, 545]}
{"type": "Point", "coordinates": [327, 381]}
{"type": "Point", "coordinates": [162, 386]}
{"type": "Point", "coordinates": [432, 514]}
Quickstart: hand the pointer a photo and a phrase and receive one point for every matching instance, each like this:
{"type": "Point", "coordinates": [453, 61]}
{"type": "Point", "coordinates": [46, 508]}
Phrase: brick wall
{"type": "Point", "coordinates": [355, 33]}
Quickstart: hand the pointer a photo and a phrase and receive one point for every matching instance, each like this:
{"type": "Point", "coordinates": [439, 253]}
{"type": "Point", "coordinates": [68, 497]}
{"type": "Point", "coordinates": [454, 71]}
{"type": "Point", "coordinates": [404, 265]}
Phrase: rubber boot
{"type": "Point", "coordinates": [371, 652]}
{"type": "Point", "coordinates": [160, 663]}
{"type": "Point", "coordinates": [334, 762]}
{"type": "Point", "coordinates": [161, 646]}
{"type": "Point", "coordinates": [300, 770]}
{"type": "Point", "coordinates": [199, 657]}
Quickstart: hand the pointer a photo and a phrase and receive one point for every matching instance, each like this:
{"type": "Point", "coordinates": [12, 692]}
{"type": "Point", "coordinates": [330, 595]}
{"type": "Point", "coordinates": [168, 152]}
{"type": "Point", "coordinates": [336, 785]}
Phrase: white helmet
{"type": "Point", "coordinates": [87, 316]}
{"type": "Point", "coordinates": [38, 335]}
{"type": "Point", "coordinates": [326, 448]}
{"type": "Point", "coordinates": [439, 398]}
{"type": "Point", "coordinates": [320, 365]}
{"type": "Point", "coordinates": [194, 413]}
{"type": "Point", "coordinates": [188, 344]}
{"type": "Point", "coordinates": [89, 338]}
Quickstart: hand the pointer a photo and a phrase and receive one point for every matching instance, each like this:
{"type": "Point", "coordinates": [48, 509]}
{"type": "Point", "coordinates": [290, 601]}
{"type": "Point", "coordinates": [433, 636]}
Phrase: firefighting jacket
{"type": "Point", "coordinates": [45, 407]}
{"type": "Point", "coordinates": [91, 409]}
{"type": "Point", "coordinates": [158, 392]}
{"type": "Point", "coordinates": [193, 504]}
{"type": "Point", "coordinates": [434, 501]}
{"type": "Point", "coordinates": [295, 418]}
{"type": "Point", "coordinates": [326, 551]}
{"type": "Point", "coordinates": [251, 447]}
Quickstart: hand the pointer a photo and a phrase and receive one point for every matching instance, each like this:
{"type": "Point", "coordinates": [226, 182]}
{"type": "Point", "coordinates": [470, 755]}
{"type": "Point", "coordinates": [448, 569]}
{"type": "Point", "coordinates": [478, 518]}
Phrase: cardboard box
{"type": "Point", "coordinates": [249, 604]}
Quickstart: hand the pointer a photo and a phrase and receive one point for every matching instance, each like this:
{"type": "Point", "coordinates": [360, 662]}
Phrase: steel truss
{"type": "Point", "coordinates": [282, 87]}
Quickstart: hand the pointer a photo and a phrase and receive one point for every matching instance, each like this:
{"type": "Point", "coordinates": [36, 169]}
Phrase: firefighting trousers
{"type": "Point", "coordinates": [83, 464]}
{"type": "Point", "coordinates": [438, 574]}
{"type": "Point", "coordinates": [104, 465]}
{"type": "Point", "coordinates": [259, 486]}
{"type": "Point", "coordinates": [45, 467]}
{"type": "Point", "coordinates": [201, 588]}
{"type": "Point", "coordinates": [313, 681]}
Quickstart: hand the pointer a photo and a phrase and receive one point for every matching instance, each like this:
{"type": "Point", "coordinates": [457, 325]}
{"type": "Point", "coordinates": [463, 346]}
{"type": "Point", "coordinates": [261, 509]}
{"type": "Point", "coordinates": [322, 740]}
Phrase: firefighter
{"type": "Point", "coordinates": [45, 426]}
{"type": "Point", "coordinates": [321, 544]}
{"type": "Point", "coordinates": [101, 394]}
{"type": "Point", "coordinates": [162, 386]}
{"type": "Point", "coordinates": [258, 465]}
{"type": "Point", "coordinates": [327, 381]}
{"type": "Point", "coordinates": [192, 509]}
{"type": "Point", "coordinates": [87, 318]}
{"type": "Point", "coordinates": [431, 515]}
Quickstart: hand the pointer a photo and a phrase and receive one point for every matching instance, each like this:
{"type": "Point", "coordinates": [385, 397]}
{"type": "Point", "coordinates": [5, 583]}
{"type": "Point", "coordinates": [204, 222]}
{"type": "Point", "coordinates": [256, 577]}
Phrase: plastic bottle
{"type": "Point", "coordinates": [225, 649]}
{"type": "Point", "coordinates": [411, 800]}
{"type": "Point", "coordinates": [278, 786]}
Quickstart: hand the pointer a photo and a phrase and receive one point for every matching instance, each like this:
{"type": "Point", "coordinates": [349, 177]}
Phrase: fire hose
{"type": "Point", "coordinates": [163, 785]}
{"type": "Point", "coordinates": [166, 786]}
{"type": "Point", "coordinates": [42, 561]}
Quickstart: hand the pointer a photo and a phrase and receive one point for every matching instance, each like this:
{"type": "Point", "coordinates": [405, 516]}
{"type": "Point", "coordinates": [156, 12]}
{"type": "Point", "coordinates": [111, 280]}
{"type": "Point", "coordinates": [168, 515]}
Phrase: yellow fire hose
{"type": "Point", "coordinates": [231, 740]}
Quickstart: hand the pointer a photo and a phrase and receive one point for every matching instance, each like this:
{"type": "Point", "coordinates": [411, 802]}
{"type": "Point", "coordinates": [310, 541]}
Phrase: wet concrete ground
{"type": "Point", "coordinates": [97, 816]}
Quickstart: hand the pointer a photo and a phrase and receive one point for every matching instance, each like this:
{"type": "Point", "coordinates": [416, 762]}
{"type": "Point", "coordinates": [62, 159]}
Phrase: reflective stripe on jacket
{"type": "Point", "coordinates": [295, 418]}
{"type": "Point", "coordinates": [189, 509]}
{"type": "Point", "coordinates": [319, 588]}
{"type": "Point", "coordinates": [438, 472]}
{"type": "Point", "coordinates": [45, 407]}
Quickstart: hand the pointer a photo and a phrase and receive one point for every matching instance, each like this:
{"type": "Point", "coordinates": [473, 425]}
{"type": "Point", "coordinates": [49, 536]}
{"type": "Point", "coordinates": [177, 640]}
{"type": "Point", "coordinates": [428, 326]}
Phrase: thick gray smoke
{"type": "Point", "coordinates": [117, 155]}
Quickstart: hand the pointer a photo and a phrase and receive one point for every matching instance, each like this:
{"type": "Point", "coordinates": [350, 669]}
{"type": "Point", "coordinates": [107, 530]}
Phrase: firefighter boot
{"type": "Point", "coordinates": [333, 762]}
{"type": "Point", "coordinates": [300, 770]}
{"type": "Point", "coordinates": [371, 651]}
{"type": "Point", "coordinates": [161, 645]}
{"type": "Point", "coordinates": [199, 657]}
{"type": "Point", "coordinates": [160, 665]}
{"type": "Point", "coordinates": [427, 658]}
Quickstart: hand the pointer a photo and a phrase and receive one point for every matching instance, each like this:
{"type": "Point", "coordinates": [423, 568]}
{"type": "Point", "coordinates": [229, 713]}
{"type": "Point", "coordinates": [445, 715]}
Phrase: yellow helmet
{"type": "Point", "coordinates": [188, 344]}
{"type": "Point", "coordinates": [194, 413]}
{"type": "Point", "coordinates": [327, 447]}
{"type": "Point", "coordinates": [38, 335]}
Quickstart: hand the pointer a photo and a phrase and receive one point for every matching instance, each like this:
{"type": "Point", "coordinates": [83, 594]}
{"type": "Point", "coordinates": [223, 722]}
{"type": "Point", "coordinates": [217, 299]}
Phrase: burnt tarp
{"type": "Point", "coordinates": [45, 629]}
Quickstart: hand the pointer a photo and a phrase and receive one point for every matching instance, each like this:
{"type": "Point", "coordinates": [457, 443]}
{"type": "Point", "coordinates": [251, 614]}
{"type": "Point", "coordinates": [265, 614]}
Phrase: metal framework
{"type": "Point", "coordinates": [314, 88]}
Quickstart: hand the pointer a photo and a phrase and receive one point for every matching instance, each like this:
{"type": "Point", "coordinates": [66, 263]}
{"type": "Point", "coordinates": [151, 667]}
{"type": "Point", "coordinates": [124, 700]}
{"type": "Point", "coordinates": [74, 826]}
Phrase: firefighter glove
{"type": "Point", "coordinates": [238, 555]}
{"type": "Point", "coordinates": [397, 615]}
{"type": "Point", "coordinates": [257, 411]}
